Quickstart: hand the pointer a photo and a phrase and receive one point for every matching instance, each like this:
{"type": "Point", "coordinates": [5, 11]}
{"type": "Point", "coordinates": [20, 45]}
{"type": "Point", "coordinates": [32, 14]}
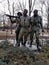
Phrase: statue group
{"type": "Point", "coordinates": [26, 25]}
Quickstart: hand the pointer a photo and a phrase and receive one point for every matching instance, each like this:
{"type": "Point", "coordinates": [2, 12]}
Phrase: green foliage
{"type": "Point", "coordinates": [39, 63]}
{"type": "Point", "coordinates": [5, 44]}
{"type": "Point", "coordinates": [3, 61]}
{"type": "Point", "coordinates": [48, 56]}
{"type": "Point", "coordinates": [22, 55]}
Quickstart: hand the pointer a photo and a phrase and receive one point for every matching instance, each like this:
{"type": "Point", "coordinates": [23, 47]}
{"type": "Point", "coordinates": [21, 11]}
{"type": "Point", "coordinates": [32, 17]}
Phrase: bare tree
{"type": "Point", "coordinates": [48, 17]}
{"type": "Point", "coordinates": [9, 12]}
{"type": "Point", "coordinates": [9, 6]}
{"type": "Point", "coordinates": [22, 5]}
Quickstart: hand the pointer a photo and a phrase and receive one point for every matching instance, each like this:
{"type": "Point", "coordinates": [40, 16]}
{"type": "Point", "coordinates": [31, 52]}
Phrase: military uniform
{"type": "Point", "coordinates": [17, 21]}
{"type": "Point", "coordinates": [18, 27]}
{"type": "Point", "coordinates": [24, 29]}
{"type": "Point", "coordinates": [36, 23]}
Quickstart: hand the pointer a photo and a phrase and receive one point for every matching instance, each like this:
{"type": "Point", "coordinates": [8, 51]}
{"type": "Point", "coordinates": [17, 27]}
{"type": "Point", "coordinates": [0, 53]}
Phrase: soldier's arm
{"type": "Point", "coordinates": [41, 24]}
{"type": "Point", "coordinates": [10, 16]}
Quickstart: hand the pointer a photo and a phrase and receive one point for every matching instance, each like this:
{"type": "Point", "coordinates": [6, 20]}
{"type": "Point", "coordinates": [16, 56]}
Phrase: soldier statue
{"type": "Point", "coordinates": [17, 21]}
{"type": "Point", "coordinates": [18, 26]}
{"type": "Point", "coordinates": [36, 26]}
{"type": "Point", "coordinates": [25, 24]}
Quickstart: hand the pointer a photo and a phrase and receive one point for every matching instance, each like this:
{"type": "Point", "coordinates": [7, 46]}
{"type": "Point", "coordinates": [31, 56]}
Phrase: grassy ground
{"type": "Point", "coordinates": [22, 56]}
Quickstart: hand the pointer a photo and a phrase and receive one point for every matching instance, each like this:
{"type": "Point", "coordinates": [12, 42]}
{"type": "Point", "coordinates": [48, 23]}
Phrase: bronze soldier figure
{"type": "Point", "coordinates": [36, 25]}
{"type": "Point", "coordinates": [17, 21]}
{"type": "Point", "coordinates": [25, 23]}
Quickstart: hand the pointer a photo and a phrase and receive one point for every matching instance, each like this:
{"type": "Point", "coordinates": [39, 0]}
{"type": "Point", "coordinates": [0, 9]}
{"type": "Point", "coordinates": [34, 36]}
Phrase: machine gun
{"type": "Point", "coordinates": [12, 21]}
{"type": "Point", "coordinates": [11, 17]}
{"type": "Point", "coordinates": [17, 18]}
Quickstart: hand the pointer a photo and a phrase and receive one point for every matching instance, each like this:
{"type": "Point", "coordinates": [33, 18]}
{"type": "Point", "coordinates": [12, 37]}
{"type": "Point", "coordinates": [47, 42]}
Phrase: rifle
{"type": "Point", "coordinates": [10, 16]}
{"type": "Point", "coordinates": [11, 20]}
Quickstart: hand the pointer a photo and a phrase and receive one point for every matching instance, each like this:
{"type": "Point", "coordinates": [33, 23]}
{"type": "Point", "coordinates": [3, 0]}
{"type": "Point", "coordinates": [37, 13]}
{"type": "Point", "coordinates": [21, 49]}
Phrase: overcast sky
{"type": "Point", "coordinates": [4, 7]}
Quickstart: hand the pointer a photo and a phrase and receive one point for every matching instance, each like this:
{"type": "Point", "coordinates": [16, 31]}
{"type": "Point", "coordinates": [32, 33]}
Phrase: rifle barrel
{"type": "Point", "coordinates": [11, 16]}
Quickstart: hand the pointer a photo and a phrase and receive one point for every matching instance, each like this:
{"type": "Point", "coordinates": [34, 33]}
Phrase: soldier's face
{"type": "Point", "coordinates": [35, 13]}
{"type": "Point", "coordinates": [25, 12]}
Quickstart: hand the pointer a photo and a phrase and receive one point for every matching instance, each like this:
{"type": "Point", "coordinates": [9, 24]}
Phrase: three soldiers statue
{"type": "Point", "coordinates": [26, 25]}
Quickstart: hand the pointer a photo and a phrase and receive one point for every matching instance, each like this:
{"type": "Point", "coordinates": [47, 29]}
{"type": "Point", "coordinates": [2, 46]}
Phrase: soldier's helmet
{"type": "Point", "coordinates": [36, 11]}
{"type": "Point", "coordinates": [19, 14]}
{"type": "Point", "coordinates": [25, 10]}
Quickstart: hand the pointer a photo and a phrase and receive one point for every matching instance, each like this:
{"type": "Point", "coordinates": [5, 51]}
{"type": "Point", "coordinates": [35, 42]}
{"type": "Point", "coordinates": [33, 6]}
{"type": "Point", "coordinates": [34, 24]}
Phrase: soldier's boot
{"type": "Point", "coordinates": [18, 43]}
{"type": "Point", "coordinates": [31, 40]}
{"type": "Point", "coordinates": [24, 44]}
{"type": "Point", "coordinates": [38, 49]}
{"type": "Point", "coordinates": [30, 44]}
